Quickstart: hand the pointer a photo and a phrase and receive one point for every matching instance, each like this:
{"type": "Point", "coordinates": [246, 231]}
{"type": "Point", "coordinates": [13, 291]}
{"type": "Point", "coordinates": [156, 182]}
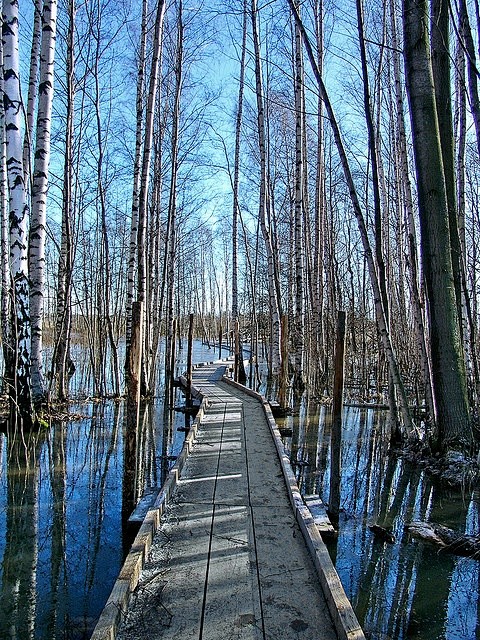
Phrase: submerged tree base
{"type": "Point", "coordinates": [454, 468]}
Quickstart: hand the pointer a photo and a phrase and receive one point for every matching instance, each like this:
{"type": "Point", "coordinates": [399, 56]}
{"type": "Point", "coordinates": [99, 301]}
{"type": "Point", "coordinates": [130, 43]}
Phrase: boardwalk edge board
{"type": "Point", "coordinates": [117, 604]}
{"type": "Point", "coordinates": [341, 610]}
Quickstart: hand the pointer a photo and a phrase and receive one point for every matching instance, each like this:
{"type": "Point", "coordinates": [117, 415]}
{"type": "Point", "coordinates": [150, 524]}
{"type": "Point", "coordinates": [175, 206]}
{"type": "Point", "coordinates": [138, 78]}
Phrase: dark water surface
{"type": "Point", "coordinates": [63, 491]}
{"type": "Point", "coordinates": [408, 589]}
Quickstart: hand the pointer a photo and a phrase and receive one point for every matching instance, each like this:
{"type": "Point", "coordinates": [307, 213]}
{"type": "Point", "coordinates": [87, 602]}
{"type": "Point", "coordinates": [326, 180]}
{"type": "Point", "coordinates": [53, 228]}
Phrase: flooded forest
{"type": "Point", "coordinates": [244, 175]}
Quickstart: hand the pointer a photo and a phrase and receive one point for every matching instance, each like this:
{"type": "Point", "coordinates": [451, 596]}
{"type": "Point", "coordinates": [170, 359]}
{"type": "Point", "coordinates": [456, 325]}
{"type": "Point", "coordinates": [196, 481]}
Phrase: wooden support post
{"type": "Point", "coordinates": [135, 353]}
{"type": "Point", "coordinates": [188, 399]}
{"type": "Point", "coordinates": [132, 415]}
{"type": "Point", "coordinates": [336, 434]}
{"type": "Point", "coordinates": [172, 363]}
{"type": "Point", "coordinates": [283, 382]}
{"type": "Point", "coordinates": [239, 370]}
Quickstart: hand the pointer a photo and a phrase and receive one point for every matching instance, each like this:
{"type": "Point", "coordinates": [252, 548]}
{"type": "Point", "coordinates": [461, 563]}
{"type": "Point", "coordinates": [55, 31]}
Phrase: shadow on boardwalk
{"type": "Point", "coordinates": [236, 554]}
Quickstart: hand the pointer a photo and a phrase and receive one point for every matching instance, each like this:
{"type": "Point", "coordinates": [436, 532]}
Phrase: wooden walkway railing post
{"type": "Point", "coordinates": [188, 397]}
{"type": "Point", "coordinates": [336, 434]}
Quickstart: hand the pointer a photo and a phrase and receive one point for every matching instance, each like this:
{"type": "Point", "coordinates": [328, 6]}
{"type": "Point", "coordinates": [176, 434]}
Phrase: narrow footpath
{"type": "Point", "coordinates": [229, 561]}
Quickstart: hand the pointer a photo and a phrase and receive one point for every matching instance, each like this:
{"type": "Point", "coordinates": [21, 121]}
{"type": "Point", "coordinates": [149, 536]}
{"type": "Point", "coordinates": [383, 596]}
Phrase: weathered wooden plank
{"type": "Point", "coordinates": [145, 503]}
{"type": "Point", "coordinates": [232, 600]}
{"type": "Point", "coordinates": [319, 515]}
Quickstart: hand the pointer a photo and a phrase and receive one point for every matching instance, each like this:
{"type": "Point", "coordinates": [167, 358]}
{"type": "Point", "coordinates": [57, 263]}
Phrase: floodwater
{"type": "Point", "coordinates": [64, 495]}
{"type": "Point", "coordinates": [65, 492]}
{"type": "Point", "coordinates": [408, 589]}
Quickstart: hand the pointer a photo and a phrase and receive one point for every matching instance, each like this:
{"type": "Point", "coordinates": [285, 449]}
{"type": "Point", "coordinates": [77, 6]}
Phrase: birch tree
{"type": "Point", "coordinates": [239, 372]}
{"type": "Point", "coordinates": [264, 201]}
{"type": "Point", "coordinates": [61, 361]}
{"type": "Point", "coordinates": [137, 166]}
{"type": "Point", "coordinates": [145, 169]}
{"type": "Point", "coordinates": [320, 217]}
{"type": "Point", "coordinates": [39, 197]}
{"type": "Point", "coordinates": [32, 89]}
{"type": "Point", "coordinates": [300, 170]}
{"type": "Point", "coordinates": [5, 309]}
{"type": "Point", "coordinates": [171, 236]}
{"type": "Point", "coordinates": [20, 395]}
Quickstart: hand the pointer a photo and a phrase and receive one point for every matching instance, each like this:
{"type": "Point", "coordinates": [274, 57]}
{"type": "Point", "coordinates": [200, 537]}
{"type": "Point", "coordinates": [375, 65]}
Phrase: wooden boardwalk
{"type": "Point", "coordinates": [236, 555]}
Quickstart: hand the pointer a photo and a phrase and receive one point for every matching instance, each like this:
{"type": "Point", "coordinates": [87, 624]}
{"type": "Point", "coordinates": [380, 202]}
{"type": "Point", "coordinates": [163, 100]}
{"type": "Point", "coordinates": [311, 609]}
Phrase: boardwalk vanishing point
{"type": "Point", "coordinates": [229, 551]}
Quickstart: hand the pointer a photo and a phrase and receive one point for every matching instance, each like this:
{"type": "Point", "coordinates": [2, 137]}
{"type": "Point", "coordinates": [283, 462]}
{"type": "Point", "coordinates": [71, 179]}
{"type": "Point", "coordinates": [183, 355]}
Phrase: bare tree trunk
{"type": "Point", "coordinates": [32, 89]}
{"type": "Point", "coordinates": [264, 204]}
{"type": "Point", "coordinates": [153, 324]}
{"type": "Point", "coordinates": [448, 366]}
{"type": "Point", "coordinates": [377, 203]}
{"type": "Point", "coordinates": [20, 396]}
{"type": "Point", "coordinates": [106, 270]}
{"type": "Point", "coordinates": [299, 324]}
{"type": "Point", "coordinates": [62, 366]}
{"type": "Point", "coordinates": [439, 38]}
{"type": "Point", "coordinates": [239, 371]}
{"type": "Point", "coordinates": [5, 310]}
{"type": "Point", "coordinates": [409, 428]}
{"type": "Point", "coordinates": [460, 134]}
{"type": "Point", "coordinates": [320, 218]}
{"type": "Point", "coordinates": [136, 182]}
{"type": "Point", "coordinates": [172, 235]}
{"type": "Point", "coordinates": [36, 258]}
{"type": "Point", "coordinates": [146, 161]}
{"type": "Point", "coordinates": [420, 330]}
{"type": "Point", "coordinates": [472, 70]}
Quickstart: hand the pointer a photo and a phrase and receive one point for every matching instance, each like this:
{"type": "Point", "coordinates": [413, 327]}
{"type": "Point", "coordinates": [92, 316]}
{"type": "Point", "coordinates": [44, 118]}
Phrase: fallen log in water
{"type": "Point", "coordinates": [447, 539]}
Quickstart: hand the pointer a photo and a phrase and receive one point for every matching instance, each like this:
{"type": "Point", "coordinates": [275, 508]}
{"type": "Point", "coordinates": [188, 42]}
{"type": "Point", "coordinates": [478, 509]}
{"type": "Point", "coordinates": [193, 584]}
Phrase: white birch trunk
{"type": "Point", "coordinates": [172, 205]}
{"type": "Point", "coordinates": [61, 363]}
{"type": "Point", "coordinates": [6, 331]}
{"type": "Point", "coordinates": [264, 203]}
{"type": "Point", "coordinates": [320, 217]}
{"type": "Point", "coordinates": [147, 148]}
{"type": "Point", "coordinates": [145, 171]}
{"type": "Point", "coordinates": [136, 177]}
{"type": "Point", "coordinates": [299, 325]}
{"type": "Point", "coordinates": [18, 213]}
{"type": "Point", "coordinates": [39, 196]}
{"type": "Point", "coordinates": [32, 90]}
{"type": "Point", "coordinates": [239, 373]}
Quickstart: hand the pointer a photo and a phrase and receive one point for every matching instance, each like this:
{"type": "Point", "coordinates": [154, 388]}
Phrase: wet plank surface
{"type": "Point", "coordinates": [229, 561]}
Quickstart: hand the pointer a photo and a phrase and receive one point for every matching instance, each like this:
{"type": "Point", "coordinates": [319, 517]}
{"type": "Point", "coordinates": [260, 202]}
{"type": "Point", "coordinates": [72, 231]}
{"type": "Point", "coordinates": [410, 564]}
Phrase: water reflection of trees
{"type": "Point", "coordinates": [406, 589]}
{"type": "Point", "coordinates": [62, 494]}
{"type": "Point", "coordinates": [18, 596]}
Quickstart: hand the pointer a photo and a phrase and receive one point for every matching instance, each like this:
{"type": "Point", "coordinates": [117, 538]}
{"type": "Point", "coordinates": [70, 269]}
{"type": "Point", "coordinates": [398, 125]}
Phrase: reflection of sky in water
{"type": "Point", "coordinates": [407, 590]}
{"type": "Point", "coordinates": [79, 539]}
{"type": "Point", "coordinates": [3, 494]}
{"type": "Point", "coordinates": [402, 591]}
